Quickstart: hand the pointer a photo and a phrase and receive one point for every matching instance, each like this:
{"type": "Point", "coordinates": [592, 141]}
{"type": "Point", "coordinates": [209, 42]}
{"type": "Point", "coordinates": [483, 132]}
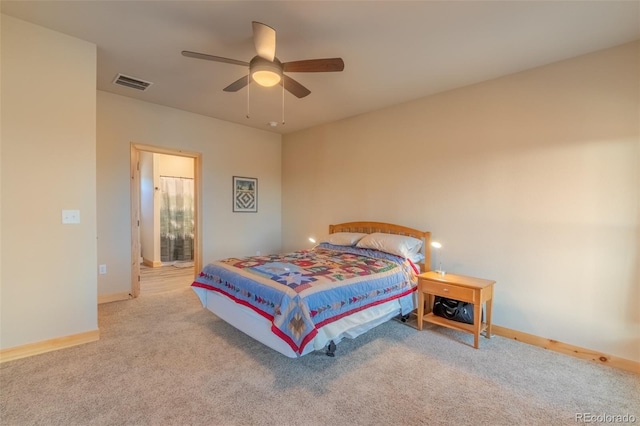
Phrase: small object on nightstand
{"type": "Point", "coordinates": [459, 287]}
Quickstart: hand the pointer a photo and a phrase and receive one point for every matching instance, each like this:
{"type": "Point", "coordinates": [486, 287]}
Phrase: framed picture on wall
{"type": "Point", "coordinates": [245, 194]}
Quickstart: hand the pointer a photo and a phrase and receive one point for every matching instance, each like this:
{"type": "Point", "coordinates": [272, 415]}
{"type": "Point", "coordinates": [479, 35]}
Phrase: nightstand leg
{"type": "Point", "coordinates": [477, 324]}
{"type": "Point", "coordinates": [420, 309]}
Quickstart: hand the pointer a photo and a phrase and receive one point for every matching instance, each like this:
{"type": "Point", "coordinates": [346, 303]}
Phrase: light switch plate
{"type": "Point", "coordinates": [70, 216]}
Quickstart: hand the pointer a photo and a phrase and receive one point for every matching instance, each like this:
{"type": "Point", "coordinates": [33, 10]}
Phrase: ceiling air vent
{"type": "Point", "coordinates": [132, 82]}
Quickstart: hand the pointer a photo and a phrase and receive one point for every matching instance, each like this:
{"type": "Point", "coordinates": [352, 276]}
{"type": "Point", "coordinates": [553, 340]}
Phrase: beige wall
{"type": "Point", "coordinates": [48, 164]}
{"type": "Point", "coordinates": [172, 165]}
{"type": "Point", "coordinates": [530, 179]}
{"type": "Point", "coordinates": [1, 179]}
{"type": "Point", "coordinates": [227, 150]}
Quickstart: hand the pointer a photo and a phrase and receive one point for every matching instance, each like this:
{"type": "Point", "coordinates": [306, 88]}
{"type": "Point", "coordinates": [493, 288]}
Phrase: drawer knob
{"type": "Point", "coordinates": [446, 290]}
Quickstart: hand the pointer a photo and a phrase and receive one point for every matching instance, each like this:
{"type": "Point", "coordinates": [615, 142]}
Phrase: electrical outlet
{"type": "Point", "coordinates": [258, 253]}
{"type": "Point", "coordinates": [102, 269]}
{"type": "Point", "coordinates": [70, 216]}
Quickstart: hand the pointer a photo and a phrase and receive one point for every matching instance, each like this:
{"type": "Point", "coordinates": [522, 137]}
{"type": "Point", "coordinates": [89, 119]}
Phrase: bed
{"type": "Point", "coordinates": [362, 275]}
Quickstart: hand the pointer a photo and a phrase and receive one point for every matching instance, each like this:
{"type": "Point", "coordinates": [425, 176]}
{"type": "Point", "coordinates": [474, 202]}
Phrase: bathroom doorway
{"type": "Point", "coordinates": [165, 204]}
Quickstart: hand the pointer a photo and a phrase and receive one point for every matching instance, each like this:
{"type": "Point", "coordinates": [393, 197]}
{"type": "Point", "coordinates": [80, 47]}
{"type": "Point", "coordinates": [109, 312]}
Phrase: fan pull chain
{"type": "Point", "coordinates": [248, 85]}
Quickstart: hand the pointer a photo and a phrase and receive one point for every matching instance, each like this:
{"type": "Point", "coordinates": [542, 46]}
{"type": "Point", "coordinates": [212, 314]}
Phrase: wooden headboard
{"type": "Point", "coordinates": [389, 228]}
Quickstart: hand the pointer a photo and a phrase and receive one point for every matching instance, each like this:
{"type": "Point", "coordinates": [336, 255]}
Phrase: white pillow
{"type": "Point", "coordinates": [400, 245]}
{"type": "Point", "coordinates": [345, 238]}
{"type": "Point", "coordinates": [416, 258]}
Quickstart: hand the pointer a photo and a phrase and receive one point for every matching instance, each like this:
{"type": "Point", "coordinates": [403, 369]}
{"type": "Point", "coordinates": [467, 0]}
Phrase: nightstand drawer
{"type": "Point", "coordinates": [450, 291]}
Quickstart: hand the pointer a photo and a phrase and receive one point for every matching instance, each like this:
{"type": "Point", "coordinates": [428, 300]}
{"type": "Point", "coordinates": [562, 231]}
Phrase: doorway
{"type": "Point", "coordinates": [165, 218]}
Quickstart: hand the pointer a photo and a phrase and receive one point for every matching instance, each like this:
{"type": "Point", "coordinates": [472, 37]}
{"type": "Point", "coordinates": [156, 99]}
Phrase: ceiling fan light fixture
{"type": "Point", "coordinates": [266, 78]}
{"type": "Point", "coordinates": [266, 73]}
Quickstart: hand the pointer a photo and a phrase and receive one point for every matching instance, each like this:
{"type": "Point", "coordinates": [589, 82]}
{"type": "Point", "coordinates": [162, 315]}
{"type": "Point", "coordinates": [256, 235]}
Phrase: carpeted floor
{"type": "Point", "coordinates": [164, 360]}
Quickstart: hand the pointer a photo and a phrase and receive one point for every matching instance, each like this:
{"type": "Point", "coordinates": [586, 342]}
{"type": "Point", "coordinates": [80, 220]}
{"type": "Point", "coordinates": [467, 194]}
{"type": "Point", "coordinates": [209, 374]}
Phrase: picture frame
{"type": "Point", "coordinates": [245, 194]}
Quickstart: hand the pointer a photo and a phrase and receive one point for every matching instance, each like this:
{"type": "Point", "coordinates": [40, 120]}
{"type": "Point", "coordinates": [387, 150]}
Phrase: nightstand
{"type": "Point", "coordinates": [459, 287]}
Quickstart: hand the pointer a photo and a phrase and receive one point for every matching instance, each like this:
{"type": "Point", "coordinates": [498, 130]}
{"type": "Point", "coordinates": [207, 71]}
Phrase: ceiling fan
{"type": "Point", "coordinates": [266, 70]}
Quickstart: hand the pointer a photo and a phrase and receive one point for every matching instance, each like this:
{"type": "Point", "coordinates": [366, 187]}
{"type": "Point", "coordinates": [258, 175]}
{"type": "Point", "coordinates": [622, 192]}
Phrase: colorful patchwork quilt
{"type": "Point", "coordinates": [302, 291]}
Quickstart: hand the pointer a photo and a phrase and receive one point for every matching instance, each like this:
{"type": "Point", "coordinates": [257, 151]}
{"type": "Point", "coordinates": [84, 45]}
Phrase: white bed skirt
{"type": "Point", "coordinates": [253, 324]}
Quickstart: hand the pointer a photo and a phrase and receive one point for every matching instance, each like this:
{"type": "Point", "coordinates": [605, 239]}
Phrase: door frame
{"type": "Point", "coordinates": [134, 172]}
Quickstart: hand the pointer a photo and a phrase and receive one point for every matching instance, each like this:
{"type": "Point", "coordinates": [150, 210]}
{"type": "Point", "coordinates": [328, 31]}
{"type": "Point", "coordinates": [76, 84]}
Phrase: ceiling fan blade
{"type": "Point", "coordinates": [294, 87]}
{"type": "Point", "coordinates": [314, 65]}
{"type": "Point", "coordinates": [264, 38]}
{"type": "Point", "coordinates": [213, 58]}
{"type": "Point", "coordinates": [236, 85]}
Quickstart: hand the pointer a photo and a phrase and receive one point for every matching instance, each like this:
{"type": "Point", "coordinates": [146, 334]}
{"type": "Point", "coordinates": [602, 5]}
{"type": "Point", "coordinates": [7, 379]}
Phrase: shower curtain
{"type": "Point", "coordinates": [176, 219]}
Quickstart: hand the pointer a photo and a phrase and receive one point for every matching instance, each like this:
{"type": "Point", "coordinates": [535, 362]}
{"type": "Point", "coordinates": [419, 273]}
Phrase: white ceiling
{"type": "Point", "coordinates": [393, 51]}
